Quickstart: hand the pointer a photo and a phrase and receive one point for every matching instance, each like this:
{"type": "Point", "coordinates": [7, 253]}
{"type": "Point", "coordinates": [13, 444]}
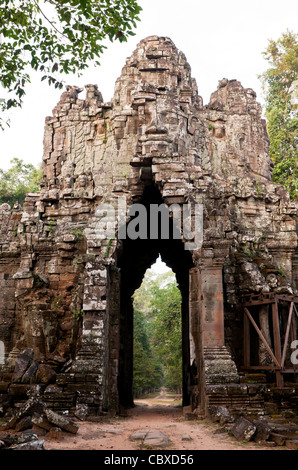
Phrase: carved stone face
{"type": "Point", "coordinates": [67, 169]}
{"type": "Point", "coordinates": [163, 96]}
{"type": "Point", "coordinates": [158, 134]}
{"type": "Point", "coordinates": [67, 182]}
{"type": "Point", "coordinates": [82, 181]}
{"type": "Point", "coordinates": [271, 280]}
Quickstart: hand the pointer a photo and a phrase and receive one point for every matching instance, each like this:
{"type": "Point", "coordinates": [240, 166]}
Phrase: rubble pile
{"type": "Point", "coordinates": [268, 432]}
{"type": "Point", "coordinates": [32, 416]}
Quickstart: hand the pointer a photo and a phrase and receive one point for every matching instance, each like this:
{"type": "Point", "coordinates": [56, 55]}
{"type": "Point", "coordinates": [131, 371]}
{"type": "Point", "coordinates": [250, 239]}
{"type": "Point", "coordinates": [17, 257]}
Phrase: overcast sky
{"type": "Point", "coordinates": [219, 38]}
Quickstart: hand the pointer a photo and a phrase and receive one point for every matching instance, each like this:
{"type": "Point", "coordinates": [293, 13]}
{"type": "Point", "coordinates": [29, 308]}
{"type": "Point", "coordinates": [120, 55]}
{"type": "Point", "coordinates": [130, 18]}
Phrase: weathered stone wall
{"type": "Point", "coordinates": [61, 282]}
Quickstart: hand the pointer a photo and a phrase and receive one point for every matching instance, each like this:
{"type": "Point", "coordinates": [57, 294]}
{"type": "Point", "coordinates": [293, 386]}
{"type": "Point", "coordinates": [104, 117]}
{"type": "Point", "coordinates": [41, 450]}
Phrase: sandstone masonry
{"type": "Point", "coordinates": [66, 293]}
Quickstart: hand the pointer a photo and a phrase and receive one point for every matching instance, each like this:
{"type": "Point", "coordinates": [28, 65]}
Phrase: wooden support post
{"type": "Point", "coordinates": [277, 342]}
{"type": "Point", "coordinates": [293, 333]}
{"type": "Point", "coordinates": [261, 336]}
{"type": "Point", "coordinates": [246, 342]}
{"type": "Point", "coordinates": [294, 338]}
{"type": "Point", "coordinates": [278, 353]}
{"type": "Point", "coordinates": [287, 335]}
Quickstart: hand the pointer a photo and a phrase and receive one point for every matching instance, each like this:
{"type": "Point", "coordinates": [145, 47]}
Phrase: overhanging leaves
{"type": "Point", "coordinates": [57, 37]}
{"type": "Point", "coordinates": [281, 111]}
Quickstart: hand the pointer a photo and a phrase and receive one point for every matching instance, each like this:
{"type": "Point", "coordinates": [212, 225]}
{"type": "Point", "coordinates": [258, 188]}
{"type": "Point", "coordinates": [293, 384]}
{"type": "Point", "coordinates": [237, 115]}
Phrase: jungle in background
{"type": "Point", "coordinates": [157, 334]}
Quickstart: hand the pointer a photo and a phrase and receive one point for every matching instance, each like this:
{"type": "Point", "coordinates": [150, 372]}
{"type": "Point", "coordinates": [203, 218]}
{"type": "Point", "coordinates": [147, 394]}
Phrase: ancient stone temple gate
{"type": "Point", "coordinates": [66, 323]}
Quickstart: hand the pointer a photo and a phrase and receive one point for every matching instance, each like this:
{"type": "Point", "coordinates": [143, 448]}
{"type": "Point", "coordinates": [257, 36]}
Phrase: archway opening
{"type": "Point", "coordinates": [157, 347]}
{"type": "Point", "coordinates": [135, 256]}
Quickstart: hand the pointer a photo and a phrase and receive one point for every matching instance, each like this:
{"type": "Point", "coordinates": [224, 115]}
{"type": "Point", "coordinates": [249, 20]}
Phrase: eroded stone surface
{"type": "Point", "coordinates": [150, 438]}
{"type": "Point", "coordinates": [61, 282]}
{"type": "Point", "coordinates": [243, 429]}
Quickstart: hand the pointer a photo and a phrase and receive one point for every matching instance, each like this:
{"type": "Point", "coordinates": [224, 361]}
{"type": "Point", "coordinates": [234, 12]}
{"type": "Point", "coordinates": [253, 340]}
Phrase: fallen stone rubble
{"type": "Point", "coordinates": [267, 432]}
{"type": "Point", "coordinates": [27, 440]}
{"type": "Point", "coordinates": [32, 416]}
{"type": "Point", "coordinates": [153, 438]}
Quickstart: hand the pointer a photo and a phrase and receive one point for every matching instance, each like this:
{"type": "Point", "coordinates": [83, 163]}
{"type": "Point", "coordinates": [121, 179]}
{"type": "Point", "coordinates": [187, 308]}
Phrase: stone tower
{"type": "Point", "coordinates": [66, 290]}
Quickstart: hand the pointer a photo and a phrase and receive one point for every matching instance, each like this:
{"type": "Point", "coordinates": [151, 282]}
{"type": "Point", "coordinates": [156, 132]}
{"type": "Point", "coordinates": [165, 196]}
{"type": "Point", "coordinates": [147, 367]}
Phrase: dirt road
{"type": "Point", "coordinates": [161, 414]}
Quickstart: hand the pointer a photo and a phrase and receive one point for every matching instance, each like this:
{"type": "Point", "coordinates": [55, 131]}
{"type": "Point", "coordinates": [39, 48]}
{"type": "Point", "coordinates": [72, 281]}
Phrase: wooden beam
{"type": "Point", "coordinates": [295, 310]}
{"type": "Point", "coordinates": [258, 302]}
{"type": "Point", "coordinates": [288, 298]}
{"type": "Point", "coordinates": [287, 335]}
{"type": "Point", "coordinates": [246, 341]}
{"type": "Point", "coordinates": [262, 337]}
{"type": "Point", "coordinates": [276, 332]}
{"type": "Point", "coordinates": [261, 368]}
{"type": "Point", "coordinates": [293, 335]}
{"type": "Point", "coordinates": [277, 341]}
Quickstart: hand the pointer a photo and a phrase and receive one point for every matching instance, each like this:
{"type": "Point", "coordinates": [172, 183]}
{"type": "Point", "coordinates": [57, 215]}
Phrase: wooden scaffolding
{"type": "Point", "coordinates": [282, 318]}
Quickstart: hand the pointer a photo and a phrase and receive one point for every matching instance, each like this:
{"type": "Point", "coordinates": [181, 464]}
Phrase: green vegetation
{"type": "Point", "coordinates": [157, 334]}
{"type": "Point", "coordinates": [79, 234]}
{"type": "Point", "coordinates": [107, 252]}
{"type": "Point", "coordinates": [147, 373]}
{"type": "Point", "coordinates": [18, 180]}
{"type": "Point", "coordinates": [55, 38]}
{"type": "Point", "coordinates": [78, 314]}
{"type": "Point", "coordinates": [280, 84]}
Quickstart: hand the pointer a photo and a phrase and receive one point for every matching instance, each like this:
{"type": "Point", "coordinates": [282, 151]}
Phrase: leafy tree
{"type": "Point", "coordinates": [280, 83]}
{"type": "Point", "coordinates": [57, 38]}
{"type": "Point", "coordinates": [18, 180]}
{"type": "Point", "coordinates": [143, 295]}
{"type": "Point", "coordinates": [167, 338]}
{"type": "Point", "coordinates": [157, 333]}
{"type": "Point", "coordinates": [147, 373]}
{"type": "Point", "coordinates": [141, 330]}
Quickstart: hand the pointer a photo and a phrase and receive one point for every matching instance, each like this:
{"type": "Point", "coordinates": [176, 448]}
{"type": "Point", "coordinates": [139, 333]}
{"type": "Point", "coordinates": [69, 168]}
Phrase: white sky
{"type": "Point", "coordinates": [159, 267]}
{"type": "Point", "coordinates": [220, 38]}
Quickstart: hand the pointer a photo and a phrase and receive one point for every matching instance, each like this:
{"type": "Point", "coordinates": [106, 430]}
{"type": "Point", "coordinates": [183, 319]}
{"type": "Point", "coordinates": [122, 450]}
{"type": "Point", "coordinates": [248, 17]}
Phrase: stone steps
{"type": "Point", "coordinates": [219, 366]}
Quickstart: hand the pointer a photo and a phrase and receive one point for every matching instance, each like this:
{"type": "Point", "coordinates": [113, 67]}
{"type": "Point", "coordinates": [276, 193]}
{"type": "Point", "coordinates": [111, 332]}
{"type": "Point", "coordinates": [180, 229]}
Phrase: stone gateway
{"type": "Point", "coordinates": [66, 314]}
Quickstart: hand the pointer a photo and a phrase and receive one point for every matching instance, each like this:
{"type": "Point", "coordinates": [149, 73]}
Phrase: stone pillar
{"type": "Point", "coordinates": [213, 360]}
{"type": "Point", "coordinates": [195, 342]}
{"type": "Point", "coordinates": [112, 342]}
{"type": "Point", "coordinates": [90, 361]}
{"type": "Point", "coordinates": [212, 313]}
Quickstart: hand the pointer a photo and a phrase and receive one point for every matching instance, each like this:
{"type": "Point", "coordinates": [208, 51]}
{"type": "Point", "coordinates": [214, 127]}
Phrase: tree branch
{"type": "Point", "coordinates": [49, 21]}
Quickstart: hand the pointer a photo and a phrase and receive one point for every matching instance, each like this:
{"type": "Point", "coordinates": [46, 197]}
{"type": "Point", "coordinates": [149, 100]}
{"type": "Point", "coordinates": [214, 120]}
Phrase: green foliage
{"type": "Point", "coordinates": [147, 373]}
{"type": "Point", "coordinates": [107, 252]}
{"type": "Point", "coordinates": [157, 333]}
{"type": "Point", "coordinates": [18, 180]}
{"type": "Point", "coordinates": [79, 234]}
{"type": "Point", "coordinates": [143, 295]}
{"type": "Point", "coordinates": [57, 38]}
{"type": "Point", "coordinates": [167, 337]}
{"type": "Point", "coordinates": [79, 314]}
{"type": "Point", "coordinates": [280, 86]}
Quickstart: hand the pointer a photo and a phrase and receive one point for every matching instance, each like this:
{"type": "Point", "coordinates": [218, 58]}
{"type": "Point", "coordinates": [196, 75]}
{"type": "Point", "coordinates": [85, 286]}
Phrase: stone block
{"type": "Point", "coordinates": [138, 435]}
{"type": "Point", "coordinates": [45, 374]}
{"type": "Point", "coordinates": [243, 429]}
{"type": "Point", "coordinates": [292, 444]}
{"type": "Point", "coordinates": [263, 430]}
{"type": "Point", "coordinates": [23, 362]}
{"type": "Point", "coordinates": [220, 414]}
{"type": "Point", "coordinates": [237, 389]}
{"type": "Point", "coordinates": [279, 439]}
{"type": "Point", "coordinates": [216, 390]}
{"type": "Point", "coordinates": [55, 433]}
{"type": "Point", "coordinates": [156, 132]}
{"type": "Point", "coordinates": [60, 421]}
